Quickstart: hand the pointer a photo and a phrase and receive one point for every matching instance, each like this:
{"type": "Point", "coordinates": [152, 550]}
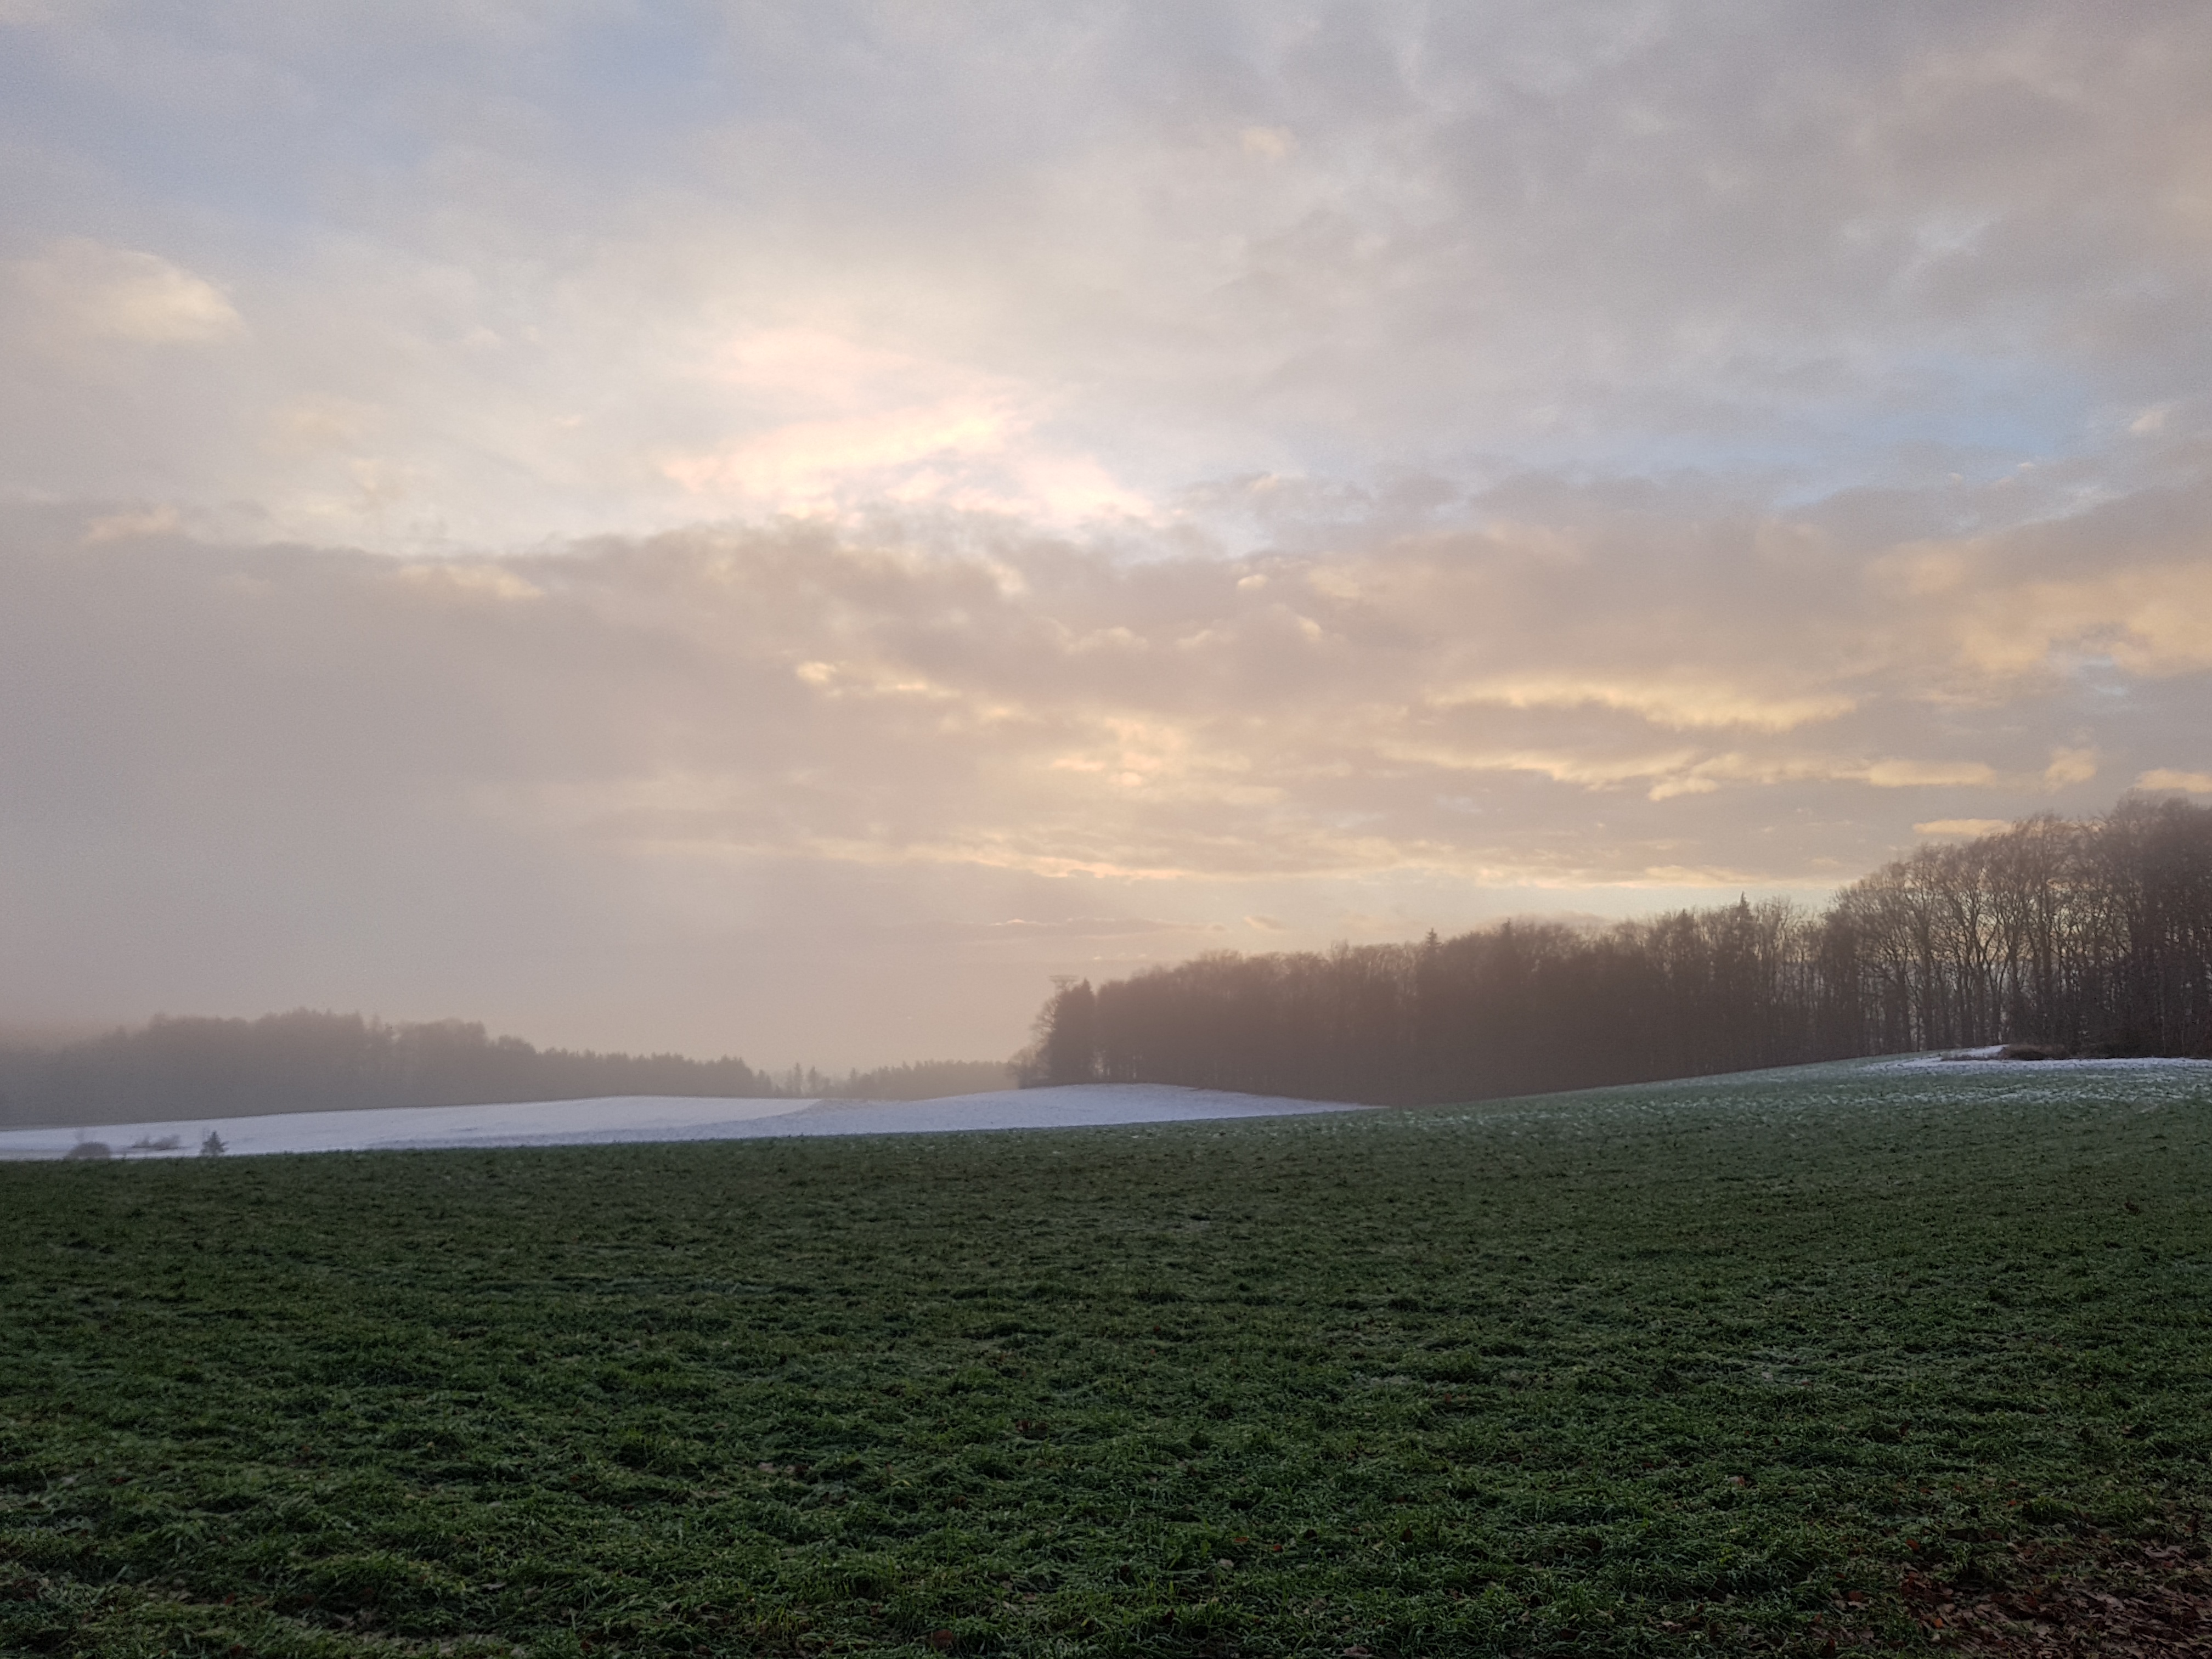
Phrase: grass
{"type": "Point", "coordinates": [1775, 1363]}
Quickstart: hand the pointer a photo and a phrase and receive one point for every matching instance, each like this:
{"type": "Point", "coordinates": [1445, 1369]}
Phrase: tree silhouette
{"type": "Point", "coordinates": [2092, 938]}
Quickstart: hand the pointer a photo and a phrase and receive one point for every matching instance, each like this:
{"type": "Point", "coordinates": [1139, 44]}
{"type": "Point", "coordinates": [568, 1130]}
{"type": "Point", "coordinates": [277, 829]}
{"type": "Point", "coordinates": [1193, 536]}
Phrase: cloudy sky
{"type": "Point", "coordinates": [776, 528]}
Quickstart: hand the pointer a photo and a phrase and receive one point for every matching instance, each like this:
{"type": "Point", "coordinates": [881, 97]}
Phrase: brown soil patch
{"type": "Point", "coordinates": [2106, 1597]}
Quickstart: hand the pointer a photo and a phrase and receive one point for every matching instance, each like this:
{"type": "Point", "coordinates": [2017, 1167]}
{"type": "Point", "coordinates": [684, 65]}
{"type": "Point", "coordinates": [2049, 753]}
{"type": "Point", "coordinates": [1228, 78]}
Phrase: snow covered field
{"type": "Point", "coordinates": [657, 1118]}
{"type": "Point", "coordinates": [637, 1118]}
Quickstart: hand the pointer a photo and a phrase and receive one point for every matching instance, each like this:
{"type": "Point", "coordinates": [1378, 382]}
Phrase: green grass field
{"type": "Point", "coordinates": [1782, 1362]}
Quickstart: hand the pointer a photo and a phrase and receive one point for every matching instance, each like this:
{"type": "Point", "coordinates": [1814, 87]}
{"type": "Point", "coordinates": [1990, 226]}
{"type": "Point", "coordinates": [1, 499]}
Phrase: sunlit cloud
{"type": "Point", "coordinates": [2156, 620]}
{"type": "Point", "coordinates": [119, 527]}
{"type": "Point", "coordinates": [1683, 703]}
{"type": "Point", "coordinates": [83, 287]}
{"type": "Point", "coordinates": [2168, 777]}
{"type": "Point", "coordinates": [883, 426]}
{"type": "Point", "coordinates": [808, 463]}
{"type": "Point", "coordinates": [469, 582]}
{"type": "Point", "coordinates": [2070, 766]}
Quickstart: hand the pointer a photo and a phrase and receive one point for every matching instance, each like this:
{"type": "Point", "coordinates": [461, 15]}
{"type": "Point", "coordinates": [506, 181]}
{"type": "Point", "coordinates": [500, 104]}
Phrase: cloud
{"type": "Point", "coordinates": [2070, 766]}
{"type": "Point", "coordinates": [873, 424]}
{"type": "Point", "coordinates": [148, 521]}
{"type": "Point", "coordinates": [1968, 828]}
{"type": "Point", "coordinates": [2167, 777]}
{"type": "Point", "coordinates": [2149, 619]}
{"type": "Point", "coordinates": [370, 779]}
{"type": "Point", "coordinates": [1327, 244]}
{"type": "Point", "coordinates": [1683, 703]}
{"type": "Point", "coordinates": [833, 424]}
{"type": "Point", "coordinates": [970, 693]}
{"type": "Point", "coordinates": [120, 294]}
{"type": "Point", "coordinates": [711, 486]}
{"type": "Point", "coordinates": [468, 581]}
{"type": "Point", "coordinates": [1087, 927]}
{"type": "Point", "coordinates": [806, 464]}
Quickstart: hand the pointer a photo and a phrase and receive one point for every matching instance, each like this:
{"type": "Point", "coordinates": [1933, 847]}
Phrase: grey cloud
{"type": "Point", "coordinates": [530, 779]}
{"type": "Point", "coordinates": [1815, 238]}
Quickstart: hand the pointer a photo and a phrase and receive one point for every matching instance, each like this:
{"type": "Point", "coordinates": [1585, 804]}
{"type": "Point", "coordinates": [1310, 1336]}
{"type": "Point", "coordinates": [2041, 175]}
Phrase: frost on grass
{"type": "Point", "coordinates": [1744, 1364]}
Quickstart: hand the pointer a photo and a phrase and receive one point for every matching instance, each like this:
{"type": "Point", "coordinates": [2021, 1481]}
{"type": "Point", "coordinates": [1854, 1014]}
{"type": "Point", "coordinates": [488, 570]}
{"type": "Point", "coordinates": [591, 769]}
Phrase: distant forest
{"type": "Point", "coordinates": [306, 1061]}
{"type": "Point", "coordinates": [2090, 938]}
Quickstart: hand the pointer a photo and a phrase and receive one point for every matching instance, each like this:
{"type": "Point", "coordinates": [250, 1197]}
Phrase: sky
{"type": "Point", "coordinates": [776, 530]}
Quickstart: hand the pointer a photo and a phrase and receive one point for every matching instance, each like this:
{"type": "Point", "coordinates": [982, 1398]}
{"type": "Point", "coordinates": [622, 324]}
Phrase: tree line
{"type": "Point", "coordinates": [307, 1060]}
{"type": "Point", "coordinates": [919, 1079]}
{"type": "Point", "coordinates": [2061, 936]}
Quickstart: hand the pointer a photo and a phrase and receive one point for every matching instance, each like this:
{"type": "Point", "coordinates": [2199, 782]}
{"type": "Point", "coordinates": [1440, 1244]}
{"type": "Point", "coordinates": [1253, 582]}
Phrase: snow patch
{"type": "Point", "coordinates": [630, 1119]}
